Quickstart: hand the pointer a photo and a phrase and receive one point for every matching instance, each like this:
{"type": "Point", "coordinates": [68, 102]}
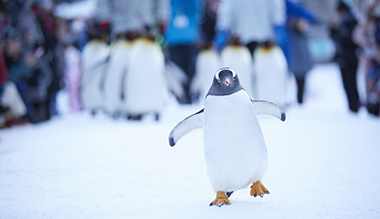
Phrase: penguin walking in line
{"type": "Point", "coordinates": [238, 57]}
{"type": "Point", "coordinates": [145, 87]}
{"type": "Point", "coordinates": [234, 147]}
{"type": "Point", "coordinates": [95, 58]}
{"type": "Point", "coordinates": [207, 62]}
{"type": "Point", "coordinates": [271, 73]}
{"type": "Point", "coordinates": [113, 83]}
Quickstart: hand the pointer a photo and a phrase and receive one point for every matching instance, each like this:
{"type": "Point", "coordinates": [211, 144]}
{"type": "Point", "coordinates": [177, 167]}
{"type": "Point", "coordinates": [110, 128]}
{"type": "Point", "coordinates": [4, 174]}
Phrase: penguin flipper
{"type": "Point", "coordinates": [189, 123]}
{"type": "Point", "coordinates": [263, 107]}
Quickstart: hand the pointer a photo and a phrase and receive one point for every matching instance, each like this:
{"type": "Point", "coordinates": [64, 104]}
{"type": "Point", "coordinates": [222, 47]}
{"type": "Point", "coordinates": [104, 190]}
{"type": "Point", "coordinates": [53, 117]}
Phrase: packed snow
{"type": "Point", "coordinates": [323, 163]}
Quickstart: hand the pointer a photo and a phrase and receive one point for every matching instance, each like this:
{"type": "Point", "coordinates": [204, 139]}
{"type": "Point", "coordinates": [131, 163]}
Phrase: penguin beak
{"type": "Point", "coordinates": [227, 82]}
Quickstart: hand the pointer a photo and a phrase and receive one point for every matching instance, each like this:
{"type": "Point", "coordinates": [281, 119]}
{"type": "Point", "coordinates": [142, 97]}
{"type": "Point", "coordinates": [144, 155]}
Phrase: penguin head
{"type": "Point", "coordinates": [225, 82]}
{"type": "Point", "coordinates": [226, 77]}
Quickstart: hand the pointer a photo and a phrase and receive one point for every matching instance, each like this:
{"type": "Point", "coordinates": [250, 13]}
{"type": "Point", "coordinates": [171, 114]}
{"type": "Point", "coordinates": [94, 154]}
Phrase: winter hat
{"type": "Point", "coordinates": [342, 6]}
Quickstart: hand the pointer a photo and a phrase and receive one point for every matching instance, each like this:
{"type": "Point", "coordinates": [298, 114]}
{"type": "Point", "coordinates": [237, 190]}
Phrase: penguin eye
{"type": "Point", "coordinates": [218, 80]}
{"type": "Point", "coordinates": [233, 78]}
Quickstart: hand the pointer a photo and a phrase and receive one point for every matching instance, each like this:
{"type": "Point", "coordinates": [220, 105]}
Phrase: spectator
{"type": "Point", "coordinates": [5, 19]}
{"type": "Point", "coordinates": [182, 35]}
{"type": "Point", "coordinates": [372, 56]}
{"type": "Point", "coordinates": [209, 21]}
{"type": "Point", "coordinates": [346, 53]}
{"type": "Point", "coordinates": [53, 50]}
{"type": "Point", "coordinates": [13, 54]}
{"type": "Point", "coordinates": [37, 82]}
{"type": "Point", "coordinates": [25, 22]}
{"type": "Point", "coordinates": [298, 55]}
{"type": "Point", "coordinates": [12, 107]}
{"type": "Point", "coordinates": [130, 17]}
{"type": "Point", "coordinates": [253, 21]}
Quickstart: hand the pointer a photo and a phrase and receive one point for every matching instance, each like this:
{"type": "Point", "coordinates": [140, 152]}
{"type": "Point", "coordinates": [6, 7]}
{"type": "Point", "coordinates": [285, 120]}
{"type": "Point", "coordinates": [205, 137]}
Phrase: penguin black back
{"type": "Point", "coordinates": [225, 82]}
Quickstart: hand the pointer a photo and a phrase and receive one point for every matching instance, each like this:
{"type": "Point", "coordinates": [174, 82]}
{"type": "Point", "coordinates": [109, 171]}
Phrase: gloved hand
{"type": "Point", "coordinates": [280, 34]}
{"type": "Point", "coordinates": [220, 40]}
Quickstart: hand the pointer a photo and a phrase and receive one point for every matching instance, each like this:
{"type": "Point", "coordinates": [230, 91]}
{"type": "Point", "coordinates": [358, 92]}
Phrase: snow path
{"type": "Point", "coordinates": [323, 163]}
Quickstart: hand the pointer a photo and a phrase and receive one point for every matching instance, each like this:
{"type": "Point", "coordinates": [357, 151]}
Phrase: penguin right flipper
{"type": "Point", "coordinates": [189, 123]}
{"type": "Point", "coordinates": [263, 107]}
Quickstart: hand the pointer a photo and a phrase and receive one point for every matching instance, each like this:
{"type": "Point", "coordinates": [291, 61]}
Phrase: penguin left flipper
{"type": "Point", "coordinates": [263, 107]}
{"type": "Point", "coordinates": [189, 123]}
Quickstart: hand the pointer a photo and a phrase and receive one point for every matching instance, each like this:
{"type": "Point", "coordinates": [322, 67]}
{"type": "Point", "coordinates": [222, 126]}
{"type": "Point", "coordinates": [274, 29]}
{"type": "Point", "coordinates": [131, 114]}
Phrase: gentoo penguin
{"type": "Point", "coordinates": [95, 58]}
{"type": "Point", "coordinates": [207, 62]}
{"type": "Point", "coordinates": [271, 73]}
{"type": "Point", "coordinates": [234, 147]}
{"type": "Point", "coordinates": [238, 57]}
{"type": "Point", "coordinates": [117, 68]}
{"type": "Point", "coordinates": [145, 88]}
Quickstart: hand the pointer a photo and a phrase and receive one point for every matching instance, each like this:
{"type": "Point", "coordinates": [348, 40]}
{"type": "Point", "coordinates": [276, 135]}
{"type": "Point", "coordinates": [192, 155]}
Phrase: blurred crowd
{"type": "Point", "coordinates": [42, 51]}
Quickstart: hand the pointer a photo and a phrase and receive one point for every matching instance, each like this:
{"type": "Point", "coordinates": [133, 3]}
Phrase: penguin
{"type": "Point", "coordinates": [95, 58]}
{"type": "Point", "coordinates": [206, 63]}
{"type": "Point", "coordinates": [234, 147]}
{"type": "Point", "coordinates": [145, 88]}
{"type": "Point", "coordinates": [271, 73]}
{"type": "Point", "coordinates": [238, 57]}
{"type": "Point", "coordinates": [117, 68]}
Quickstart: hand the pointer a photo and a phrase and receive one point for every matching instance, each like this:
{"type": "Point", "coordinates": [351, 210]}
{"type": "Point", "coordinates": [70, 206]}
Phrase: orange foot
{"type": "Point", "coordinates": [221, 199]}
{"type": "Point", "coordinates": [258, 189]}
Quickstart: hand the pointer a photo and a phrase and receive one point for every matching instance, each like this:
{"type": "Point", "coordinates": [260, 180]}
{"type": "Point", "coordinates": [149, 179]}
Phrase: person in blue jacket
{"type": "Point", "coordinates": [296, 51]}
{"type": "Point", "coordinates": [182, 34]}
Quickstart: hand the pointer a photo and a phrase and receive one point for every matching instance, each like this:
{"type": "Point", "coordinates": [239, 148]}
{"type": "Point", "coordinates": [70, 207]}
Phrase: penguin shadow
{"type": "Point", "coordinates": [237, 207]}
{"type": "Point", "coordinates": [242, 200]}
{"type": "Point", "coordinates": [245, 204]}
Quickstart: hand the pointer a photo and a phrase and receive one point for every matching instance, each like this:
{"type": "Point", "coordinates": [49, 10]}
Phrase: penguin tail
{"type": "Point", "coordinates": [228, 194]}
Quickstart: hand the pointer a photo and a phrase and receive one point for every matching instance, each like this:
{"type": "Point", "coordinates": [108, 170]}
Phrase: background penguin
{"type": "Point", "coordinates": [238, 57]}
{"type": "Point", "coordinates": [207, 62]}
{"type": "Point", "coordinates": [94, 67]}
{"type": "Point", "coordinates": [271, 73]}
{"type": "Point", "coordinates": [117, 68]}
{"type": "Point", "coordinates": [145, 88]}
{"type": "Point", "coordinates": [234, 147]}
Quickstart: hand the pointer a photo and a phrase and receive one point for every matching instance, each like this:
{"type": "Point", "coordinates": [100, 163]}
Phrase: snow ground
{"type": "Point", "coordinates": [323, 163]}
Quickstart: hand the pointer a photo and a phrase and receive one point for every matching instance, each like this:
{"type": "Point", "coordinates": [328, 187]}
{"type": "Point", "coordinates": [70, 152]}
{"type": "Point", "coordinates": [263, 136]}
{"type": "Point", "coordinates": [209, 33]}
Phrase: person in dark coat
{"type": "Point", "coordinates": [298, 56]}
{"type": "Point", "coordinates": [37, 81]}
{"type": "Point", "coordinates": [209, 21]}
{"type": "Point", "coordinates": [346, 54]}
{"type": "Point", "coordinates": [47, 24]}
{"type": "Point", "coordinates": [371, 51]}
{"type": "Point", "coordinates": [3, 79]}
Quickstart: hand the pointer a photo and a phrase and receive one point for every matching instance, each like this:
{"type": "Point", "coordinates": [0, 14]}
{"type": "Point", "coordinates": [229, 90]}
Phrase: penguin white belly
{"type": "Point", "coordinates": [145, 86]}
{"type": "Point", "coordinates": [271, 72]}
{"type": "Point", "coordinates": [116, 72]}
{"type": "Point", "coordinates": [234, 147]}
{"type": "Point", "coordinates": [239, 59]}
{"type": "Point", "coordinates": [94, 66]}
{"type": "Point", "coordinates": [207, 63]}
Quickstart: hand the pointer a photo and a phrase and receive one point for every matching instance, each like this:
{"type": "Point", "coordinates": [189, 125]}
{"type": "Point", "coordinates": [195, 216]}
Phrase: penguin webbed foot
{"type": "Point", "coordinates": [258, 188]}
{"type": "Point", "coordinates": [219, 204]}
{"type": "Point", "coordinates": [220, 200]}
